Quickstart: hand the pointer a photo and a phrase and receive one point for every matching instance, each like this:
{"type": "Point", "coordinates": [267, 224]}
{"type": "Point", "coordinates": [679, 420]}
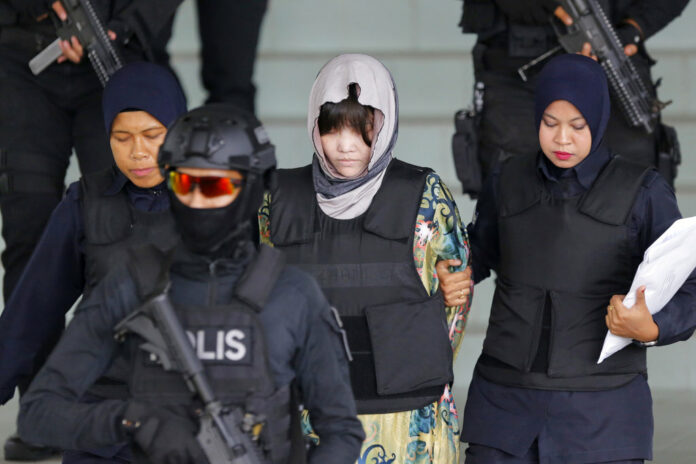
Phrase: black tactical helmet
{"type": "Point", "coordinates": [219, 136]}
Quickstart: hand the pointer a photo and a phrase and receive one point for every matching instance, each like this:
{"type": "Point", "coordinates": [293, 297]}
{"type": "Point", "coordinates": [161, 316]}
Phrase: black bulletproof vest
{"type": "Point", "coordinates": [397, 333]}
{"type": "Point", "coordinates": [568, 256]}
{"type": "Point", "coordinates": [230, 341]}
{"type": "Point", "coordinates": [113, 225]}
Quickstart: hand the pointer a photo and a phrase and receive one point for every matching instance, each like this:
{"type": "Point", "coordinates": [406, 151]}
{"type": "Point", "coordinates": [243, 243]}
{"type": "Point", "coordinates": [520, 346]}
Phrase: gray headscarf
{"type": "Point", "coordinates": [337, 196]}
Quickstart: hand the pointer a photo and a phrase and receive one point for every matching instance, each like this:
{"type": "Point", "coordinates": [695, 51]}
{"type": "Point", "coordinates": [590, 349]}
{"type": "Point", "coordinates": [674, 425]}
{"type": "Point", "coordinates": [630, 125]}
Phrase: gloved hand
{"type": "Point", "coordinates": [121, 30]}
{"type": "Point", "coordinates": [536, 12]}
{"type": "Point", "coordinates": [164, 436]}
{"type": "Point", "coordinates": [628, 34]}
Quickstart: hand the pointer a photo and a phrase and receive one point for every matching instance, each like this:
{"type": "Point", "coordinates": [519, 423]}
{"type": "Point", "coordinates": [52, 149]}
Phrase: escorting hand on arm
{"type": "Point", "coordinates": [455, 286]}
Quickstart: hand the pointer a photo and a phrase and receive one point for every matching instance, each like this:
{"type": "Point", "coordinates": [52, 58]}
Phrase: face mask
{"type": "Point", "coordinates": [212, 232]}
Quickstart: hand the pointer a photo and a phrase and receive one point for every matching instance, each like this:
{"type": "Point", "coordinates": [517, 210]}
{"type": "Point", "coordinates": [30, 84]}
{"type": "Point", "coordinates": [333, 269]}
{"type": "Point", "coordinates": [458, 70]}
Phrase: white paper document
{"type": "Point", "coordinates": [666, 265]}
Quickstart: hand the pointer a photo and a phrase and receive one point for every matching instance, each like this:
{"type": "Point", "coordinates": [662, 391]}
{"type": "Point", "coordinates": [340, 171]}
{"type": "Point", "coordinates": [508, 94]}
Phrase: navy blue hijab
{"type": "Point", "coordinates": [581, 81]}
{"type": "Point", "coordinates": [146, 87]}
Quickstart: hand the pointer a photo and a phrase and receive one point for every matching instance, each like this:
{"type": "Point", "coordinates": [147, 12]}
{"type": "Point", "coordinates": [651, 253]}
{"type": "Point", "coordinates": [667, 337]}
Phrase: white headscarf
{"type": "Point", "coordinates": [376, 90]}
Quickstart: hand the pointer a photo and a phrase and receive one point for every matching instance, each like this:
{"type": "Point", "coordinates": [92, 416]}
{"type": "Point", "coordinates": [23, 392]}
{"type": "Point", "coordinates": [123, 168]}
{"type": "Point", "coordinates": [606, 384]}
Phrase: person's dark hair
{"type": "Point", "coordinates": [347, 113]}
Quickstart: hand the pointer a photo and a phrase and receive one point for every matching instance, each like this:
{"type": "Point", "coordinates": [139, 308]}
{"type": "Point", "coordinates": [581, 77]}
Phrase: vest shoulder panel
{"type": "Point", "coordinates": [113, 225]}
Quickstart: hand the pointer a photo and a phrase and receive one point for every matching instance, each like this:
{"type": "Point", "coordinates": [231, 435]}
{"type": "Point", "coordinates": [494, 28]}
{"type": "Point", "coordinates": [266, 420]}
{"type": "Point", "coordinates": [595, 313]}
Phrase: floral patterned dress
{"type": "Point", "coordinates": [430, 434]}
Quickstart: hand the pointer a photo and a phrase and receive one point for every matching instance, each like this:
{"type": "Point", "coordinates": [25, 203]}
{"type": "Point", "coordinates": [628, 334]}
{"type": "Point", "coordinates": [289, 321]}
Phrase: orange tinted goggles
{"type": "Point", "coordinates": [210, 186]}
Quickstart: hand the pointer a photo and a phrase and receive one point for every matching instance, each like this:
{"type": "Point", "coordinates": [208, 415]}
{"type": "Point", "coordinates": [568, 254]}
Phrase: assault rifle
{"type": "Point", "coordinates": [225, 434]}
{"type": "Point", "coordinates": [590, 24]}
{"type": "Point", "coordinates": [83, 23]}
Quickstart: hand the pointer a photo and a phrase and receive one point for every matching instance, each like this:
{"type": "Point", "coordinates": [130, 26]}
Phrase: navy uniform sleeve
{"type": "Point", "coordinates": [322, 373]}
{"type": "Point", "coordinates": [50, 412]}
{"type": "Point", "coordinates": [34, 316]}
{"type": "Point", "coordinates": [483, 230]}
{"type": "Point", "coordinates": [654, 212]}
{"type": "Point", "coordinates": [652, 16]}
{"type": "Point", "coordinates": [145, 20]}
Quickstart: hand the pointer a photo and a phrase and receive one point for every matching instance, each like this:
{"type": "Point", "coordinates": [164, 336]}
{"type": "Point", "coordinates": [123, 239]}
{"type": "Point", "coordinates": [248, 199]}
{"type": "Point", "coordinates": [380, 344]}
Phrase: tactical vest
{"type": "Point", "coordinates": [398, 335]}
{"type": "Point", "coordinates": [113, 225]}
{"type": "Point", "coordinates": [230, 341]}
{"type": "Point", "coordinates": [569, 256]}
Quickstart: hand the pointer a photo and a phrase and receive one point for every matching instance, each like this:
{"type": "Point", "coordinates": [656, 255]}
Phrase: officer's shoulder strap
{"type": "Point", "coordinates": [149, 267]}
{"type": "Point", "coordinates": [520, 186]}
{"type": "Point", "coordinates": [611, 197]}
{"type": "Point", "coordinates": [293, 207]}
{"type": "Point", "coordinates": [97, 182]}
{"type": "Point", "coordinates": [260, 276]}
{"type": "Point", "coordinates": [394, 208]}
{"type": "Point", "coordinates": [107, 218]}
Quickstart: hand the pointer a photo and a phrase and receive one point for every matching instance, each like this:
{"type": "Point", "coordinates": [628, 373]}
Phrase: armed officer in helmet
{"type": "Point", "coordinates": [264, 332]}
{"type": "Point", "coordinates": [513, 33]}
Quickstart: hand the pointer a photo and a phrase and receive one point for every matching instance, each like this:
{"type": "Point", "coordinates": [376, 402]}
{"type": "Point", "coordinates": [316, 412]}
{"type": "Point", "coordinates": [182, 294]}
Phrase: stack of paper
{"type": "Point", "coordinates": [666, 265]}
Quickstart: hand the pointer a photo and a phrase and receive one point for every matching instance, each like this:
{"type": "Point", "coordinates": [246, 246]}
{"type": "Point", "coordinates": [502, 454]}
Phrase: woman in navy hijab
{"type": "Point", "coordinates": [101, 215]}
{"type": "Point", "coordinates": [565, 229]}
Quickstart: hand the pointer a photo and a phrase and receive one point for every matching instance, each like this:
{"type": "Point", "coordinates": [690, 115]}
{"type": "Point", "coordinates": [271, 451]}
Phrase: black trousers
{"type": "Point", "coordinates": [42, 119]}
{"type": "Point", "coordinates": [479, 454]}
{"type": "Point", "coordinates": [229, 33]}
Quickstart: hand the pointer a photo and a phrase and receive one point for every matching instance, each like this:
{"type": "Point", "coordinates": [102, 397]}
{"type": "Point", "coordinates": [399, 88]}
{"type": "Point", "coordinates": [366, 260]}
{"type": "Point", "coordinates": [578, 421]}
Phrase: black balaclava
{"type": "Point", "coordinates": [224, 137]}
{"type": "Point", "coordinates": [218, 232]}
{"type": "Point", "coordinates": [581, 81]}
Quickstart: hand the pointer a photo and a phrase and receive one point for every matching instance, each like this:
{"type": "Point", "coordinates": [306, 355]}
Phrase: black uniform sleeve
{"type": "Point", "coordinates": [483, 230]}
{"type": "Point", "coordinates": [34, 316]}
{"type": "Point", "coordinates": [322, 373]}
{"type": "Point", "coordinates": [655, 211]}
{"type": "Point", "coordinates": [653, 15]}
{"type": "Point", "coordinates": [31, 8]}
{"type": "Point", "coordinates": [50, 412]}
{"type": "Point", "coordinates": [144, 20]}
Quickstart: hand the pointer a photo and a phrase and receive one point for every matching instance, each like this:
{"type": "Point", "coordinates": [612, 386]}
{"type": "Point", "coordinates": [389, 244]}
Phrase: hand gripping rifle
{"type": "Point", "coordinates": [224, 434]}
{"type": "Point", "coordinates": [590, 24]}
{"type": "Point", "coordinates": [83, 23]}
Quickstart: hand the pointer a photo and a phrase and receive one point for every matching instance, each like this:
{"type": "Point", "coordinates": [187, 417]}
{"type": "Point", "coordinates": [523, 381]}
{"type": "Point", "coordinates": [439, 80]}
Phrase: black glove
{"type": "Point", "coordinates": [628, 34]}
{"type": "Point", "coordinates": [164, 436]}
{"type": "Point", "coordinates": [534, 12]}
{"type": "Point", "coordinates": [122, 30]}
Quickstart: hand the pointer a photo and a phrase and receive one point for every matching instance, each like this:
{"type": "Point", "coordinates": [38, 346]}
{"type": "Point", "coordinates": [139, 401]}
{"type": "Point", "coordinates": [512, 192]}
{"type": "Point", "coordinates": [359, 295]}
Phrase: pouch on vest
{"type": "Point", "coordinates": [465, 150]}
{"type": "Point", "coordinates": [514, 308]}
{"type": "Point", "coordinates": [407, 356]}
{"type": "Point", "coordinates": [587, 330]}
{"type": "Point", "coordinates": [526, 40]}
{"type": "Point", "coordinates": [668, 153]}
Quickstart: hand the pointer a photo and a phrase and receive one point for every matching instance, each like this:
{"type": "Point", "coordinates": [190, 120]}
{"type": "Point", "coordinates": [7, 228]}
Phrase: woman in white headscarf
{"type": "Point", "coordinates": [370, 229]}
